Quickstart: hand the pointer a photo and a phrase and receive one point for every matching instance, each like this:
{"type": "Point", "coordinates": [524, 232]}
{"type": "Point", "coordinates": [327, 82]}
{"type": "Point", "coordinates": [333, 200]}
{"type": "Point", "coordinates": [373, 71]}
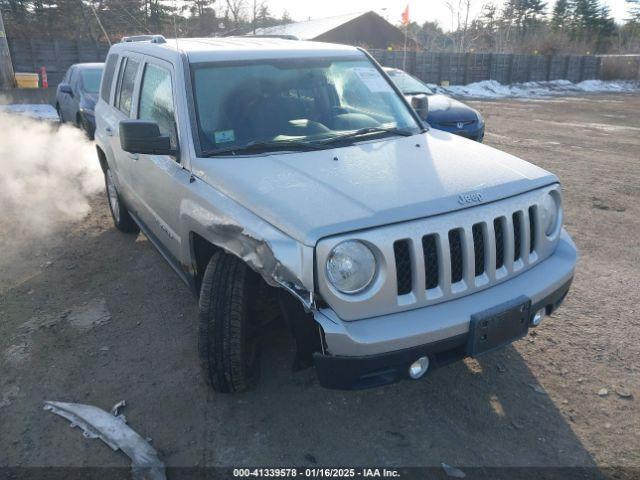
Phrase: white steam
{"type": "Point", "coordinates": [47, 174]}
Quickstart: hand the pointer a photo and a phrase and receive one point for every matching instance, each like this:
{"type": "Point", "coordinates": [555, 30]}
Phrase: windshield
{"type": "Point", "coordinates": [91, 80]}
{"type": "Point", "coordinates": [294, 101]}
{"type": "Point", "coordinates": [408, 84]}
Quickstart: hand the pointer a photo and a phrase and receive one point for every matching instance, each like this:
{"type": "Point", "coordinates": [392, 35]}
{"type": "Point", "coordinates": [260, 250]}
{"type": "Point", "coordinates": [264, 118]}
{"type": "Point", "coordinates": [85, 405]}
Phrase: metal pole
{"type": "Point", "coordinates": [404, 58]}
{"type": "Point", "coordinates": [7, 77]}
{"type": "Point", "coordinates": [95, 14]}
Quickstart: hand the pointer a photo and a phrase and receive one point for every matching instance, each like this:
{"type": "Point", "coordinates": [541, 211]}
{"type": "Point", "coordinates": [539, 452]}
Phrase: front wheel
{"type": "Point", "coordinates": [229, 337]}
{"type": "Point", "coordinates": [121, 218]}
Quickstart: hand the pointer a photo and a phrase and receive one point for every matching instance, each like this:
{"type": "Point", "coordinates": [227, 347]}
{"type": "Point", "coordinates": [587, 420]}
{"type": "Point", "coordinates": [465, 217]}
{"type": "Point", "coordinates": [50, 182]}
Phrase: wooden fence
{"type": "Point", "coordinates": [456, 68]}
{"type": "Point", "coordinates": [464, 68]}
{"type": "Point", "coordinates": [55, 55]}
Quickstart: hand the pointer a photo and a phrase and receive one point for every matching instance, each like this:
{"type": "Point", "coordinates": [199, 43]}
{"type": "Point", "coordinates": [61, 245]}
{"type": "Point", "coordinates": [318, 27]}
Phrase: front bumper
{"type": "Point", "coordinates": [379, 350]}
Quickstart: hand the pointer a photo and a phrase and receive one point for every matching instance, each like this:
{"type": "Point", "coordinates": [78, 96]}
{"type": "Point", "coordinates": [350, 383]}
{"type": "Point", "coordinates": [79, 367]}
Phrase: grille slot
{"type": "Point", "coordinates": [403, 266]}
{"type": "Point", "coordinates": [430, 252]}
{"type": "Point", "coordinates": [455, 248]}
{"type": "Point", "coordinates": [478, 248]}
{"type": "Point", "coordinates": [532, 229]}
{"type": "Point", "coordinates": [497, 227]}
{"type": "Point", "coordinates": [517, 235]}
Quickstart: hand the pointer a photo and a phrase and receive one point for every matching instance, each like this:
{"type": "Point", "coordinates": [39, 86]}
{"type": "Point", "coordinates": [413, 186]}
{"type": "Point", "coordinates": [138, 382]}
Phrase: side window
{"type": "Point", "coordinates": [107, 77]}
{"type": "Point", "coordinates": [127, 82]}
{"type": "Point", "coordinates": [156, 100]}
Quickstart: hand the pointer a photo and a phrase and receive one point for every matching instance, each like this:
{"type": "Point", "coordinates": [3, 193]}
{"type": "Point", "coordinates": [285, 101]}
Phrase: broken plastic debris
{"type": "Point", "coordinates": [112, 430]}
{"type": "Point", "coordinates": [452, 471]}
{"type": "Point", "coordinates": [115, 410]}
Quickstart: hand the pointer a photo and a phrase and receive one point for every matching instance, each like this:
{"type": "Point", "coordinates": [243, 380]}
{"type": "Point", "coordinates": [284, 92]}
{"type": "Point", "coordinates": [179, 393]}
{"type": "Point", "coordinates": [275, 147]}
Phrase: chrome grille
{"type": "Point", "coordinates": [428, 261]}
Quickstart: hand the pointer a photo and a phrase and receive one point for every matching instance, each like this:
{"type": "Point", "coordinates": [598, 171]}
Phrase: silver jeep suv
{"type": "Point", "coordinates": [291, 182]}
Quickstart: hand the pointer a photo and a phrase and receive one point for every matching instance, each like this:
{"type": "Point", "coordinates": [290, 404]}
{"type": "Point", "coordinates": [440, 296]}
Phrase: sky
{"type": "Point", "coordinates": [419, 10]}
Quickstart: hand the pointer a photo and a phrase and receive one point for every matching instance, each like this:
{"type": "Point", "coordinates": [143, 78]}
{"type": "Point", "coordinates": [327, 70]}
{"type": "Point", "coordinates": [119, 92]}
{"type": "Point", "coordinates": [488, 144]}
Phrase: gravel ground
{"type": "Point", "coordinates": [94, 316]}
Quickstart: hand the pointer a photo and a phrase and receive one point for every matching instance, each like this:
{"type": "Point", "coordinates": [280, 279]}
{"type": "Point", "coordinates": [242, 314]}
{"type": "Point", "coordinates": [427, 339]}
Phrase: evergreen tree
{"type": "Point", "coordinates": [524, 14]}
{"type": "Point", "coordinates": [634, 10]}
{"type": "Point", "coordinates": [562, 13]}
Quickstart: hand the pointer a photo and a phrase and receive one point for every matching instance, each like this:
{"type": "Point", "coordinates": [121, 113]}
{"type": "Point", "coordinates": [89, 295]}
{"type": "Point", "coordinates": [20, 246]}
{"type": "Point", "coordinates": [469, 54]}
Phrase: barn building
{"type": "Point", "coordinates": [366, 29]}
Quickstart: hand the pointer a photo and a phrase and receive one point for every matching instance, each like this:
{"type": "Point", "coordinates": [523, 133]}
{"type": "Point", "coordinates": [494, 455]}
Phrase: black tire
{"type": "Point", "coordinates": [119, 213]}
{"type": "Point", "coordinates": [85, 127]}
{"type": "Point", "coordinates": [229, 336]}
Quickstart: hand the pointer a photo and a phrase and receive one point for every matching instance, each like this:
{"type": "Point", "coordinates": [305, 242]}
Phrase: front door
{"type": "Point", "coordinates": [158, 180]}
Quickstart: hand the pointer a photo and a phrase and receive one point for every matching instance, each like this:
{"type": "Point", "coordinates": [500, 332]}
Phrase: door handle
{"type": "Point", "coordinates": [109, 131]}
{"type": "Point", "coordinates": [133, 156]}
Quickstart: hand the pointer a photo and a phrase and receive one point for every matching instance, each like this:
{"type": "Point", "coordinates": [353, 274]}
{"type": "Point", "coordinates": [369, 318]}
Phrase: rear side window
{"type": "Point", "coordinates": [107, 78]}
{"type": "Point", "coordinates": [127, 82]}
{"type": "Point", "coordinates": [156, 100]}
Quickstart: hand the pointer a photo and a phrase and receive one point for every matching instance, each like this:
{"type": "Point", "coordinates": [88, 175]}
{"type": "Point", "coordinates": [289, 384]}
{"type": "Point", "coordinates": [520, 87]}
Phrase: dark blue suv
{"type": "Point", "coordinates": [77, 95]}
{"type": "Point", "coordinates": [445, 113]}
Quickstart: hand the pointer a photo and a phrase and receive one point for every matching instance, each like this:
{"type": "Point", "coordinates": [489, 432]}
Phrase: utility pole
{"type": "Point", "coordinates": [7, 77]}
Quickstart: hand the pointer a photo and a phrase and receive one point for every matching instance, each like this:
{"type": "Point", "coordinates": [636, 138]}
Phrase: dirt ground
{"type": "Point", "coordinates": [94, 316]}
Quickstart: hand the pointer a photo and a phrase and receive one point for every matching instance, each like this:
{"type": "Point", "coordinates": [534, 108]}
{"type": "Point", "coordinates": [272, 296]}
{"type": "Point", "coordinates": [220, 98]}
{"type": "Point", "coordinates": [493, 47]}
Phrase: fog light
{"type": "Point", "coordinates": [537, 317]}
{"type": "Point", "coordinates": [419, 367]}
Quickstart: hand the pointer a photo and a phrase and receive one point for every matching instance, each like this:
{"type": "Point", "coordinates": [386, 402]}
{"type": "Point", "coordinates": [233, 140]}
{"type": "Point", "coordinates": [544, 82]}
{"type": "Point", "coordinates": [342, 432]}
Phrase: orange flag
{"type": "Point", "coordinates": [405, 16]}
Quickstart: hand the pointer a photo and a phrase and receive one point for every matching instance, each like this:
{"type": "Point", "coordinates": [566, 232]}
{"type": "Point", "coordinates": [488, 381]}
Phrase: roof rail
{"type": "Point", "coordinates": [283, 37]}
{"type": "Point", "coordinates": [145, 38]}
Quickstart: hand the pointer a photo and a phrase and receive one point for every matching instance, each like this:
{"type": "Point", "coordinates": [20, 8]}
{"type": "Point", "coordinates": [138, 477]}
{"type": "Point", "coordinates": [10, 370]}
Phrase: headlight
{"type": "Point", "coordinates": [351, 266]}
{"type": "Point", "coordinates": [549, 213]}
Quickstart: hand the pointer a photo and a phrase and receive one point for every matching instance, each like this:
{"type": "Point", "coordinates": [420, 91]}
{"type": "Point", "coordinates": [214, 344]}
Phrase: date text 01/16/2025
{"type": "Point", "coordinates": [316, 472]}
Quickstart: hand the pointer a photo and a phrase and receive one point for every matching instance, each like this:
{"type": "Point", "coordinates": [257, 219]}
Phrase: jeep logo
{"type": "Point", "coordinates": [469, 198]}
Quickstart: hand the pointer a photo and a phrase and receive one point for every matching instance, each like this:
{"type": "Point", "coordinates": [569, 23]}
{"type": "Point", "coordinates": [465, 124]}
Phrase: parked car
{"type": "Point", "coordinates": [292, 180]}
{"type": "Point", "coordinates": [77, 95]}
{"type": "Point", "coordinates": [445, 113]}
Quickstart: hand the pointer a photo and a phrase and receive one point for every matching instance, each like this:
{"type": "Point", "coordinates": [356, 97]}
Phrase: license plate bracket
{"type": "Point", "coordinates": [498, 326]}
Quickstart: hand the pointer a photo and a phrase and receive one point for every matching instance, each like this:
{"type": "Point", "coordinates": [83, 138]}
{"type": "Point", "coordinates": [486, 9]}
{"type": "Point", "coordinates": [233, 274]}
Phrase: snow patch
{"type": "Point", "coordinates": [493, 89]}
{"type": "Point", "coordinates": [37, 111]}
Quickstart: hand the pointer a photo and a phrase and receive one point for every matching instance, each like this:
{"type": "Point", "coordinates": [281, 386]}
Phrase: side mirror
{"type": "Point", "coordinates": [420, 104]}
{"type": "Point", "coordinates": [66, 88]}
{"type": "Point", "coordinates": [141, 136]}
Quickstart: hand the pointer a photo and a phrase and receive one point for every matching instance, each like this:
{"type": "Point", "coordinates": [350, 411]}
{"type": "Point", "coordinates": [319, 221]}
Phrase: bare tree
{"type": "Point", "coordinates": [236, 9]}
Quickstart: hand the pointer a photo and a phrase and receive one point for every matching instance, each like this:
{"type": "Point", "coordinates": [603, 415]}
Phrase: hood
{"type": "Point", "coordinates": [446, 109]}
{"type": "Point", "coordinates": [311, 195]}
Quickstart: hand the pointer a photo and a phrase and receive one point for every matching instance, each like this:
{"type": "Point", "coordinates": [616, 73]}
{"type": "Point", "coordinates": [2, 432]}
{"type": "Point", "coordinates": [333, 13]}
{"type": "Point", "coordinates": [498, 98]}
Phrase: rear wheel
{"type": "Point", "coordinates": [121, 218]}
{"type": "Point", "coordinates": [85, 127]}
{"type": "Point", "coordinates": [231, 323]}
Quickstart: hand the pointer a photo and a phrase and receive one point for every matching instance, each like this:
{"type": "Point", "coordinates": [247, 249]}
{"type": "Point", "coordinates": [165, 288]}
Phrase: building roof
{"type": "Point", "coordinates": [310, 29]}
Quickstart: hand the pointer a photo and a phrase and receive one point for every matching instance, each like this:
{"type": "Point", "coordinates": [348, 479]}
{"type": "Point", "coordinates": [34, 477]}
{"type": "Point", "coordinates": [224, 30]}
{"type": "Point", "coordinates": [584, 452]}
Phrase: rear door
{"type": "Point", "coordinates": [159, 180]}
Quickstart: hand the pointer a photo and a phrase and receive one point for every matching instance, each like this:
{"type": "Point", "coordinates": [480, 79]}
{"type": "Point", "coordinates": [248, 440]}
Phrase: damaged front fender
{"type": "Point", "coordinates": [280, 260]}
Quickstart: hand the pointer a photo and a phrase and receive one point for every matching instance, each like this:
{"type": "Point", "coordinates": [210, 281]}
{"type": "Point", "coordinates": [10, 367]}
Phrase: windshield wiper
{"type": "Point", "coordinates": [367, 131]}
{"type": "Point", "coordinates": [264, 146]}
